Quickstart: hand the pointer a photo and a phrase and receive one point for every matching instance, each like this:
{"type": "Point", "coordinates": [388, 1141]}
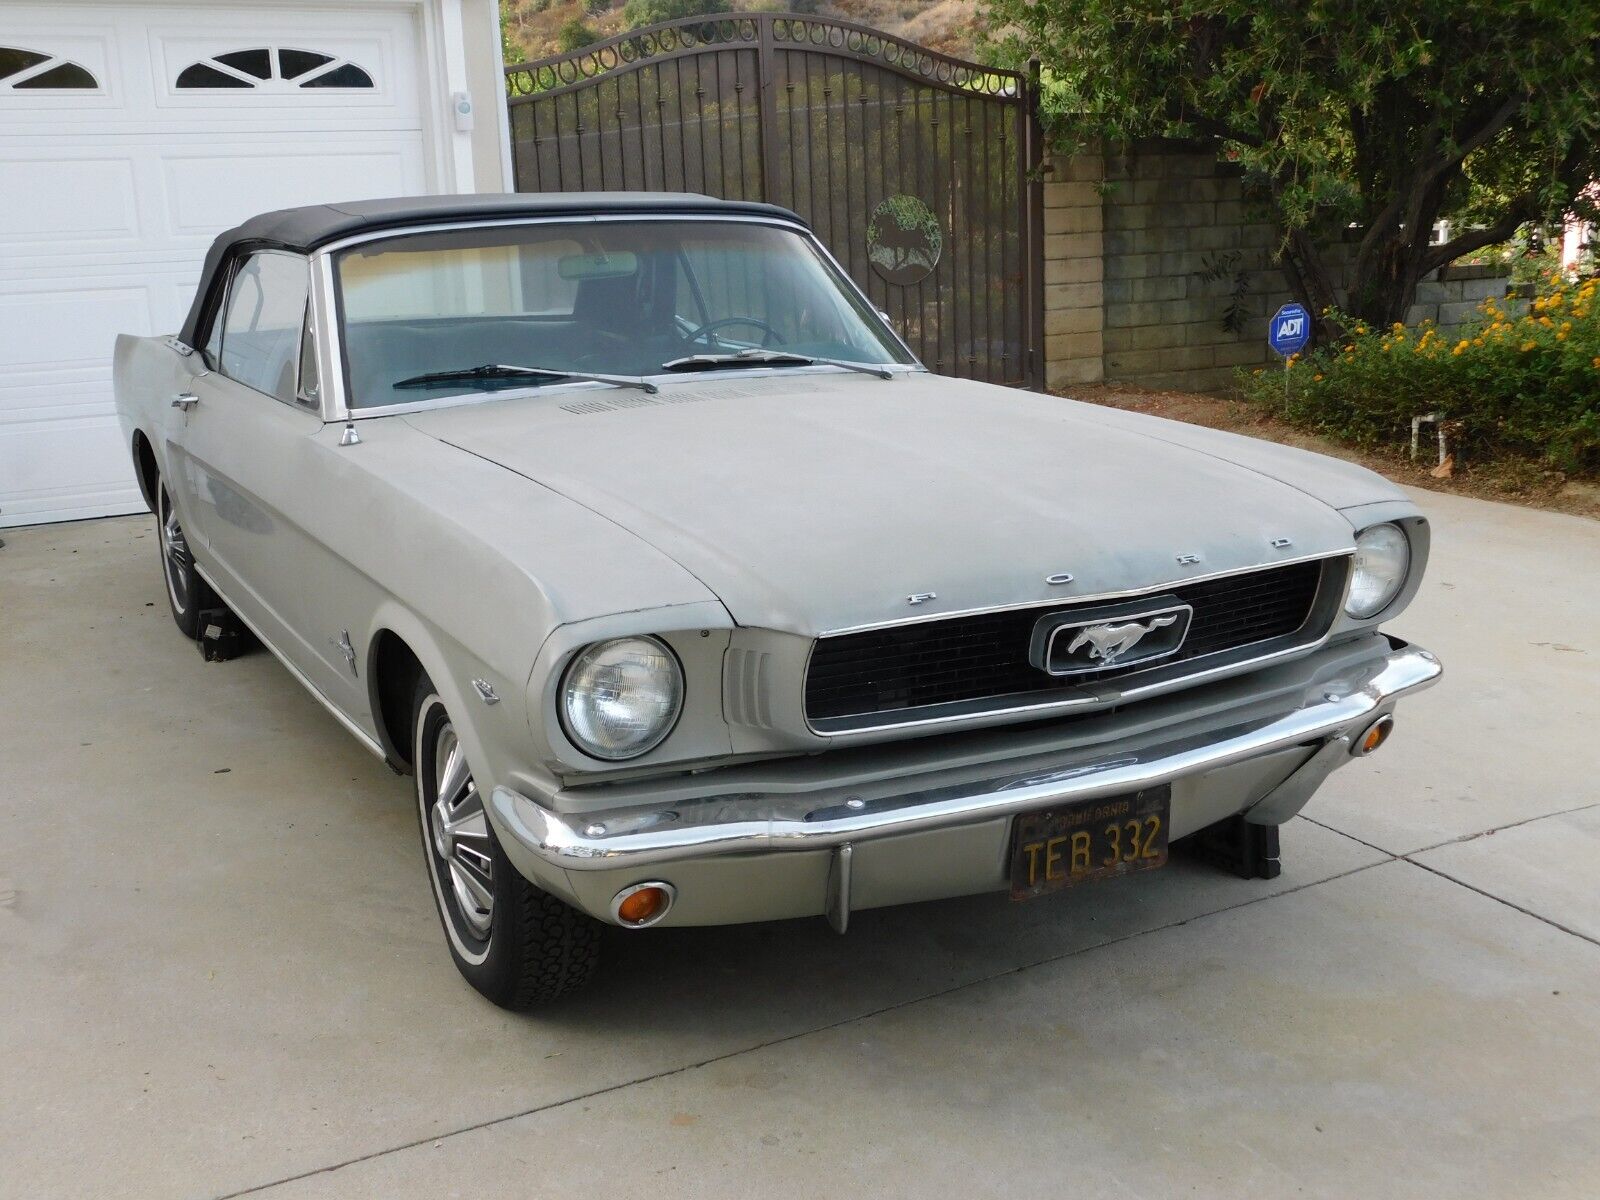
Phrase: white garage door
{"type": "Point", "coordinates": [129, 137]}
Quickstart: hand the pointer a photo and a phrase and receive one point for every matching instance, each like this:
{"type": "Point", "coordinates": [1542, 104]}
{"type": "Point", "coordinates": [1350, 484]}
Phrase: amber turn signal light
{"type": "Point", "coordinates": [642, 904]}
{"type": "Point", "coordinates": [1376, 735]}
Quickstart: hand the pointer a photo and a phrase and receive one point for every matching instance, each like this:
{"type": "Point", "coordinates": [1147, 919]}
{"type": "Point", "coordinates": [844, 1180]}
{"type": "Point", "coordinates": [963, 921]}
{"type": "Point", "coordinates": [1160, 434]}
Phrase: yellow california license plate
{"type": "Point", "coordinates": [1095, 839]}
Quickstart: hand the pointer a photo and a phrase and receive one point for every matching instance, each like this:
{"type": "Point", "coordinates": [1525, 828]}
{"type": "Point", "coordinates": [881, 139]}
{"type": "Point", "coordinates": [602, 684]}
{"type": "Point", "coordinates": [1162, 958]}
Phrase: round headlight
{"type": "Point", "coordinates": [1383, 556]}
{"type": "Point", "coordinates": [619, 698]}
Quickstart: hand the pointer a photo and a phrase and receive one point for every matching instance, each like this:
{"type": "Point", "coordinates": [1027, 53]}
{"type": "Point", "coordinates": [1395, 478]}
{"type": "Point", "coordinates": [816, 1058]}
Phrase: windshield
{"type": "Point", "coordinates": [622, 298]}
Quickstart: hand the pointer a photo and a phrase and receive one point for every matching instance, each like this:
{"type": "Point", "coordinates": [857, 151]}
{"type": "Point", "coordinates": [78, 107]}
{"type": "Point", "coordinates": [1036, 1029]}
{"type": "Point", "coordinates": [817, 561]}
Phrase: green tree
{"type": "Point", "coordinates": [637, 13]}
{"type": "Point", "coordinates": [511, 48]}
{"type": "Point", "coordinates": [575, 35]}
{"type": "Point", "coordinates": [1375, 113]}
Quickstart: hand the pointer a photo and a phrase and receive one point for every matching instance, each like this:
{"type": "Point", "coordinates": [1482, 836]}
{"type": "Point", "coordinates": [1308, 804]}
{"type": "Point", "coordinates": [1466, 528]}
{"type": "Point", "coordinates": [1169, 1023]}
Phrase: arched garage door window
{"type": "Point", "coordinates": [34, 71]}
{"type": "Point", "coordinates": [275, 67]}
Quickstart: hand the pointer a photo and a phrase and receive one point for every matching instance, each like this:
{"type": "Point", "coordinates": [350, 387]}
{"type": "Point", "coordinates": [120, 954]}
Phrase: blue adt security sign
{"type": "Point", "coordinates": [1289, 330]}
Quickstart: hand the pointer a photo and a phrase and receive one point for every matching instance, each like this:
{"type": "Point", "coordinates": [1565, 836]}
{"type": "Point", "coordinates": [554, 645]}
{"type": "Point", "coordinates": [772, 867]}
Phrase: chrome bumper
{"type": "Point", "coordinates": [1334, 711]}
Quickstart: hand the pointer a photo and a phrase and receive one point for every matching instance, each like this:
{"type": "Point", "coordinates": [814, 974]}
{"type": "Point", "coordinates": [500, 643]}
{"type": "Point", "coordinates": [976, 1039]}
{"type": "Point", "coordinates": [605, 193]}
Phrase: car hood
{"type": "Point", "coordinates": [812, 502]}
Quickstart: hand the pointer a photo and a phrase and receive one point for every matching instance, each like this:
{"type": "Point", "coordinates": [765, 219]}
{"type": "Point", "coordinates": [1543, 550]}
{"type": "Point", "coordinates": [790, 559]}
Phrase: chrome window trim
{"type": "Point", "coordinates": [325, 325]}
{"type": "Point", "coordinates": [1103, 699]}
{"type": "Point", "coordinates": [338, 406]}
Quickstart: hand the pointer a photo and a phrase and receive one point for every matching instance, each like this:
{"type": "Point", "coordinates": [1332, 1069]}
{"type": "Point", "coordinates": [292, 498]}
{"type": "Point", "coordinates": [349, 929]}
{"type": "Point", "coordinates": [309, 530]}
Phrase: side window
{"type": "Point", "coordinates": [262, 324]}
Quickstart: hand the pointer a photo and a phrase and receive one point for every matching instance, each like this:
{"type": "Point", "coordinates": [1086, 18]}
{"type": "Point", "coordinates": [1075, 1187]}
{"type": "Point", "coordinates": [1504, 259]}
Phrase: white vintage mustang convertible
{"type": "Point", "coordinates": [628, 528]}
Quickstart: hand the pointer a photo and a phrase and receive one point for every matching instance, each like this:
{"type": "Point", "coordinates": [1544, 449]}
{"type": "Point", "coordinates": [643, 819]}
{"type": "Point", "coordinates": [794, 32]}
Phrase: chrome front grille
{"type": "Point", "coordinates": [923, 670]}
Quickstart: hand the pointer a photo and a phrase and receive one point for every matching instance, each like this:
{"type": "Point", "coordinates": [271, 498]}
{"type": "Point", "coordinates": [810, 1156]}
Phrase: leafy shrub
{"type": "Point", "coordinates": [638, 13]}
{"type": "Point", "coordinates": [575, 35]}
{"type": "Point", "coordinates": [1507, 385]}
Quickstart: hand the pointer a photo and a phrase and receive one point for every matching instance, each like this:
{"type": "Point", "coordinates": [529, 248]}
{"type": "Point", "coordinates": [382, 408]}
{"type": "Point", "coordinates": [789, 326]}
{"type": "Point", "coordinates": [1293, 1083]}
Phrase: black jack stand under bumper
{"type": "Point", "coordinates": [1238, 847]}
{"type": "Point", "coordinates": [222, 635]}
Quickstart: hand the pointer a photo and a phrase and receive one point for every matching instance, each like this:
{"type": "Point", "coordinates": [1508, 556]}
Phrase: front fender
{"type": "Point", "coordinates": [494, 735]}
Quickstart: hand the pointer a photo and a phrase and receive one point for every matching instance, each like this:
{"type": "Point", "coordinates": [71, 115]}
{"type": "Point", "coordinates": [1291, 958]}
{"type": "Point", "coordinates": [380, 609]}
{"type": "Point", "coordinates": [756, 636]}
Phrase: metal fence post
{"type": "Point", "coordinates": [767, 110]}
{"type": "Point", "coordinates": [1033, 225]}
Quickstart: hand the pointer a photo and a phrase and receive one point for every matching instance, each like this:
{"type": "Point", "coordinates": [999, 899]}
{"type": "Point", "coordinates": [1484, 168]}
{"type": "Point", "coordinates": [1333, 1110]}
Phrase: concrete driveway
{"type": "Point", "coordinates": [221, 974]}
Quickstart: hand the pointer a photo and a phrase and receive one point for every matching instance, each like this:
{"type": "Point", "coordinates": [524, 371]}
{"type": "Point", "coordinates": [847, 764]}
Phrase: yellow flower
{"type": "Point", "coordinates": [1316, 378]}
{"type": "Point", "coordinates": [1458, 349]}
{"type": "Point", "coordinates": [1526, 346]}
{"type": "Point", "coordinates": [1597, 362]}
{"type": "Point", "coordinates": [1349, 349]}
{"type": "Point", "coordinates": [1477, 341]}
{"type": "Point", "coordinates": [1461, 345]}
{"type": "Point", "coordinates": [1561, 335]}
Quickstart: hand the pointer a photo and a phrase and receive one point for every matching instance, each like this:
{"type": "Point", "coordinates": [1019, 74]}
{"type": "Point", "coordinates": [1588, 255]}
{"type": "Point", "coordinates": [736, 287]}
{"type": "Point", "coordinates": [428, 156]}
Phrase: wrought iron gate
{"type": "Point", "coordinates": [920, 172]}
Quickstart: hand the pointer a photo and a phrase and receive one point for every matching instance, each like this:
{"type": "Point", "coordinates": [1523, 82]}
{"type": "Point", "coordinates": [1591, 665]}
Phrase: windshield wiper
{"type": "Point", "coordinates": [494, 371]}
{"type": "Point", "coordinates": [768, 358]}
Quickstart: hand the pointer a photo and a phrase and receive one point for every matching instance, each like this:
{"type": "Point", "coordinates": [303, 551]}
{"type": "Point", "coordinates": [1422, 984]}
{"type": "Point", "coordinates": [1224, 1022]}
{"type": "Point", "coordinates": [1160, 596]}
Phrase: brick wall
{"type": "Point", "coordinates": [1074, 271]}
{"type": "Point", "coordinates": [1129, 237]}
{"type": "Point", "coordinates": [1451, 295]}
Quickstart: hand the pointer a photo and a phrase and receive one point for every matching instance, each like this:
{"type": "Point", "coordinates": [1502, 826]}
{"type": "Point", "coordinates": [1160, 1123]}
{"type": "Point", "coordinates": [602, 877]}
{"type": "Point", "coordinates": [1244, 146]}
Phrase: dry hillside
{"type": "Point", "coordinates": [949, 25]}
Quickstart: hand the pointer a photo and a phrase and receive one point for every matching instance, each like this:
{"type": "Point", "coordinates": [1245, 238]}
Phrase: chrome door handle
{"type": "Point", "coordinates": [184, 401]}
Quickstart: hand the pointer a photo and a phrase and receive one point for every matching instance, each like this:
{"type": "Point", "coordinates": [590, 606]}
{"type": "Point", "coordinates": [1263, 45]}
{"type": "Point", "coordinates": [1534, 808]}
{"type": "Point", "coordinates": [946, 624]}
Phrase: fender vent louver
{"type": "Point", "coordinates": [746, 689]}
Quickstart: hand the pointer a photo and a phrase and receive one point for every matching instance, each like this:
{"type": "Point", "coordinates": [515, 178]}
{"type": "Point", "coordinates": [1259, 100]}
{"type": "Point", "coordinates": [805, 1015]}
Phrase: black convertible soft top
{"type": "Point", "coordinates": [305, 229]}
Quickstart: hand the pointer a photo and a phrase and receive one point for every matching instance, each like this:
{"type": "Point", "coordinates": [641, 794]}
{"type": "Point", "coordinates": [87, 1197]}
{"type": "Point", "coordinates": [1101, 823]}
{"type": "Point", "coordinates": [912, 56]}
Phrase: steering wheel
{"type": "Point", "coordinates": [769, 334]}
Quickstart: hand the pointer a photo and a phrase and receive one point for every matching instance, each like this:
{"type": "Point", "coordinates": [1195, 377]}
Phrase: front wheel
{"type": "Point", "coordinates": [187, 593]}
{"type": "Point", "coordinates": [516, 944]}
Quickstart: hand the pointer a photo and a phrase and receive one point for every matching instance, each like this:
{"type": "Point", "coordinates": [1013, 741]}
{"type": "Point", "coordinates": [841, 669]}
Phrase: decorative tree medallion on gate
{"type": "Point", "coordinates": [904, 240]}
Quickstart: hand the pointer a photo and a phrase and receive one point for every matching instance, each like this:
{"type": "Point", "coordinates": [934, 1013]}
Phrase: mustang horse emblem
{"type": "Point", "coordinates": [1109, 641]}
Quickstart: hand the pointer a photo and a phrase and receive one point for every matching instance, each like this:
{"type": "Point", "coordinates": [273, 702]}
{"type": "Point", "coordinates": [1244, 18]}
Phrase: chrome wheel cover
{"type": "Point", "coordinates": [458, 834]}
{"type": "Point", "coordinates": [176, 561]}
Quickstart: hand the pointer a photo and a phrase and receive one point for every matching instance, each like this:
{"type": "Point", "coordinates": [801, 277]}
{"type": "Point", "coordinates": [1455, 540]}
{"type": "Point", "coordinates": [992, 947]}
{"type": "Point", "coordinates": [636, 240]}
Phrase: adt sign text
{"type": "Point", "coordinates": [1289, 330]}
